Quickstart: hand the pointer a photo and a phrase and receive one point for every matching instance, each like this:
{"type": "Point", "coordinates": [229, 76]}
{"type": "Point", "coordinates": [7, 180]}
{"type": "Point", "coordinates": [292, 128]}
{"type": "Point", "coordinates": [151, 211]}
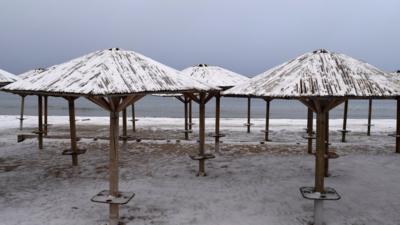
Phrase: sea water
{"type": "Point", "coordinates": [152, 106]}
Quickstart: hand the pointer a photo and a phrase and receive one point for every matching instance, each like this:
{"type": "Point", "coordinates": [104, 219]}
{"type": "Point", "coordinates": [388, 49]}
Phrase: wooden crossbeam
{"type": "Point", "coordinates": [209, 96]}
{"type": "Point", "coordinates": [335, 103]}
{"type": "Point", "coordinates": [180, 99]}
{"type": "Point", "coordinates": [128, 101]}
{"type": "Point", "coordinates": [193, 97]}
{"type": "Point", "coordinates": [309, 104]}
{"type": "Point", "coordinates": [100, 102]}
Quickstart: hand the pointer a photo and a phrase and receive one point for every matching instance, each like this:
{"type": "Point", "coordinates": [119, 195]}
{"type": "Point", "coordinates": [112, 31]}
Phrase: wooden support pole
{"type": "Point", "coordinates": [310, 120]}
{"type": "Point", "coordinates": [320, 152]}
{"type": "Point", "coordinates": [40, 121]}
{"type": "Point", "coordinates": [45, 115]}
{"type": "Point", "coordinates": [327, 144]}
{"type": "Point", "coordinates": [124, 125]}
{"type": "Point", "coordinates": [133, 118]}
{"type": "Point", "coordinates": [190, 115]}
{"type": "Point", "coordinates": [21, 116]}
{"type": "Point", "coordinates": [344, 129]}
{"type": "Point", "coordinates": [186, 118]}
{"type": "Point", "coordinates": [217, 120]}
{"type": "Point", "coordinates": [113, 165]}
{"type": "Point", "coordinates": [248, 114]}
{"type": "Point", "coordinates": [72, 130]}
{"type": "Point", "coordinates": [202, 107]}
{"type": "Point", "coordinates": [369, 117]}
{"type": "Point", "coordinates": [398, 126]}
{"type": "Point", "coordinates": [266, 137]}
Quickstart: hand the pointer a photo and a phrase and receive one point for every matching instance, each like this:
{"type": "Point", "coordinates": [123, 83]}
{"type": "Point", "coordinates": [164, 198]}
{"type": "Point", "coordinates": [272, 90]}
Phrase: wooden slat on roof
{"type": "Point", "coordinates": [320, 73]}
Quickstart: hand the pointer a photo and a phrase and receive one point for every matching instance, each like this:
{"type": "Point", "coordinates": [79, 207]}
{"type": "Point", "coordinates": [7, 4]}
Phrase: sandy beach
{"type": "Point", "coordinates": [248, 182]}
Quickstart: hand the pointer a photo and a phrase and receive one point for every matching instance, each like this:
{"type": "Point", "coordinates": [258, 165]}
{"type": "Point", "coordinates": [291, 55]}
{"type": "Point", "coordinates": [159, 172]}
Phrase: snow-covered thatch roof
{"type": "Point", "coordinates": [321, 74]}
{"type": "Point", "coordinates": [31, 73]}
{"type": "Point", "coordinates": [215, 75]}
{"type": "Point", "coordinates": [108, 72]}
{"type": "Point", "coordinates": [6, 77]}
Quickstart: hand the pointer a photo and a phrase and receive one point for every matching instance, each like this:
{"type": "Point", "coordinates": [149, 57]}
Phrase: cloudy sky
{"type": "Point", "coordinates": [246, 36]}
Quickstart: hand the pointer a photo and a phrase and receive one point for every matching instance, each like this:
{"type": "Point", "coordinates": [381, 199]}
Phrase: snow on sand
{"type": "Point", "coordinates": [249, 183]}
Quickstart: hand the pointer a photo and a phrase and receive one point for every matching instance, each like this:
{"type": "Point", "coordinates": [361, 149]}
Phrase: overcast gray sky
{"type": "Point", "coordinates": [246, 36]}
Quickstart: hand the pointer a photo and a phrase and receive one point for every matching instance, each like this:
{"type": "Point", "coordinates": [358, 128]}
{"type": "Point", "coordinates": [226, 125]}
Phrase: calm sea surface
{"type": "Point", "coordinates": [152, 106]}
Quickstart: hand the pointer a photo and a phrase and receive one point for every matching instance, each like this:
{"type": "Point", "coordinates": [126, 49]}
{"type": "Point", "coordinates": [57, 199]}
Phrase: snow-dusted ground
{"type": "Point", "coordinates": [248, 183]}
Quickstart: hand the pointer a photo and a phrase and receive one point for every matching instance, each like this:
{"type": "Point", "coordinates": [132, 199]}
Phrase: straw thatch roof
{"type": "Point", "coordinates": [6, 77]}
{"type": "Point", "coordinates": [105, 73]}
{"type": "Point", "coordinates": [321, 74]}
{"type": "Point", "coordinates": [215, 75]}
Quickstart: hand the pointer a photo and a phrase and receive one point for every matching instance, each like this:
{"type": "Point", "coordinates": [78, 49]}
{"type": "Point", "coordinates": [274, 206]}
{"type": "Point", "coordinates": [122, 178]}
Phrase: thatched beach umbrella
{"type": "Point", "coordinates": [113, 79]}
{"type": "Point", "coordinates": [220, 77]}
{"type": "Point", "coordinates": [321, 80]}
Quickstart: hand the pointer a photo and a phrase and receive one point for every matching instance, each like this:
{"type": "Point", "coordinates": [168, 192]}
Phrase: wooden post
{"type": "Point", "coordinates": [327, 144]}
{"type": "Point", "coordinates": [398, 126]}
{"type": "Point", "coordinates": [113, 165]}
{"type": "Point", "coordinates": [202, 107]}
{"type": "Point", "coordinates": [266, 137]}
{"type": "Point", "coordinates": [190, 115]}
{"type": "Point", "coordinates": [217, 120]}
{"type": "Point", "coordinates": [369, 117]}
{"type": "Point", "coordinates": [72, 130]}
{"type": "Point", "coordinates": [320, 151]}
{"type": "Point", "coordinates": [321, 108]}
{"type": "Point", "coordinates": [344, 130]}
{"type": "Point", "coordinates": [45, 115]}
{"type": "Point", "coordinates": [133, 118]}
{"type": "Point", "coordinates": [310, 120]}
{"type": "Point", "coordinates": [113, 196]}
{"type": "Point", "coordinates": [186, 118]}
{"type": "Point", "coordinates": [40, 121]}
{"type": "Point", "coordinates": [248, 114]}
{"type": "Point", "coordinates": [124, 125]}
{"type": "Point", "coordinates": [21, 117]}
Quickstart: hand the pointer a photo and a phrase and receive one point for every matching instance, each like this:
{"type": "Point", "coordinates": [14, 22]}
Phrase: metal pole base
{"type": "Point", "coordinates": [114, 214]}
{"type": "Point", "coordinates": [319, 198]}
{"type": "Point", "coordinates": [318, 212]}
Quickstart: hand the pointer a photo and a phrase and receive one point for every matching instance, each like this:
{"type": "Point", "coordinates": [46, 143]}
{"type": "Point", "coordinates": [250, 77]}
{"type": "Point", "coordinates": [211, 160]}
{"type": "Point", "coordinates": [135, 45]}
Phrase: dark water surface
{"type": "Point", "coordinates": [152, 106]}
